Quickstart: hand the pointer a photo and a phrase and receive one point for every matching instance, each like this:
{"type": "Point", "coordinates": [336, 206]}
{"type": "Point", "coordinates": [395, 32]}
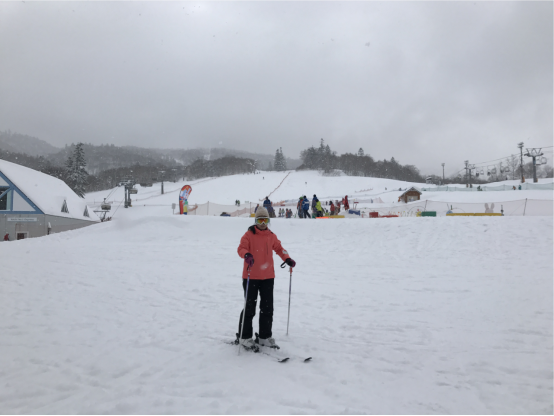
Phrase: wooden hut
{"type": "Point", "coordinates": [411, 195]}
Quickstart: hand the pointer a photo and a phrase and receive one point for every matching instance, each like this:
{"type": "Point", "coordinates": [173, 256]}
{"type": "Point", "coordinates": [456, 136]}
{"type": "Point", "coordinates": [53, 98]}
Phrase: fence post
{"type": "Point", "coordinates": [525, 207]}
{"type": "Point", "coordinates": [425, 209]}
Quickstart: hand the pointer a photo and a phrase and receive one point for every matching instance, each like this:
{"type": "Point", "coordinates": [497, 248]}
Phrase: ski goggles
{"type": "Point", "coordinates": [262, 220]}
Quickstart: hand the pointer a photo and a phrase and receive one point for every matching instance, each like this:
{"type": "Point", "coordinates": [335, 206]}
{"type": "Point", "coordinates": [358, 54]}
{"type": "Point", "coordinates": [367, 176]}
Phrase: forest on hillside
{"type": "Point", "coordinates": [359, 164]}
{"type": "Point", "coordinates": [87, 168]}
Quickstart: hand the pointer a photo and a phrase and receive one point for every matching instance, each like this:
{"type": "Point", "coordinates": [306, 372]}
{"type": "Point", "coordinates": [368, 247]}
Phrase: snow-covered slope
{"type": "Point", "coordinates": [416, 316]}
{"type": "Point", "coordinates": [290, 185]}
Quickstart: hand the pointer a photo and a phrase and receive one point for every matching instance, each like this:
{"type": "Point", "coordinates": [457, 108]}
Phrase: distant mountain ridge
{"type": "Point", "coordinates": [109, 156]}
{"type": "Point", "coordinates": [21, 143]}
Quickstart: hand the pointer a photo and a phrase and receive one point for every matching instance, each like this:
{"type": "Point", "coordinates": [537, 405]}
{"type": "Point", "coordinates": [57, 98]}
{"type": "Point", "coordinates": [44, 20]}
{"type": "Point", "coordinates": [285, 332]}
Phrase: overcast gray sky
{"type": "Point", "coordinates": [425, 82]}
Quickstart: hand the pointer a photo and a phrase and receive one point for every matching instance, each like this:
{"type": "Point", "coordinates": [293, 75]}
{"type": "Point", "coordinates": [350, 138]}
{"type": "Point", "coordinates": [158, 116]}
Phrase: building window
{"type": "Point", "coordinates": [86, 212]}
{"type": "Point", "coordinates": [64, 207]}
{"type": "Point", "coordinates": [5, 199]}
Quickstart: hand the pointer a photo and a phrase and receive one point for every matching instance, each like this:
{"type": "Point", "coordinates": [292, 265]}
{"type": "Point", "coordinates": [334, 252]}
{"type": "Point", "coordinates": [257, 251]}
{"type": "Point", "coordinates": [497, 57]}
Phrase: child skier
{"type": "Point", "coordinates": [256, 248]}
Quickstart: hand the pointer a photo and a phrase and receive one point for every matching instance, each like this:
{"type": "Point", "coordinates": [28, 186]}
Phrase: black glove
{"type": "Point", "coordinates": [290, 262]}
{"type": "Point", "coordinates": [249, 259]}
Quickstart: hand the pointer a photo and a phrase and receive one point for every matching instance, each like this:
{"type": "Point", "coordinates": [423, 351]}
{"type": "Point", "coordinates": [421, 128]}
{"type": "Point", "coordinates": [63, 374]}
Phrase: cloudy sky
{"type": "Point", "coordinates": [423, 82]}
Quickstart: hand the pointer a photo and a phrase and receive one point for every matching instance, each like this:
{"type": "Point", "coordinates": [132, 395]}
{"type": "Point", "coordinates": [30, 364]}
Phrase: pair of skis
{"type": "Point", "coordinates": [265, 351]}
{"type": "Point", "coordinates": [256, 348]}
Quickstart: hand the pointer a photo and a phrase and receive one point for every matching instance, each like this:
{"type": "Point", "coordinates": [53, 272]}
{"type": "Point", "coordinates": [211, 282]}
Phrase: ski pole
{"type": "Point", "coordinates": [244, 310]}
{"type": "Point", "coordinates": [290, 287]}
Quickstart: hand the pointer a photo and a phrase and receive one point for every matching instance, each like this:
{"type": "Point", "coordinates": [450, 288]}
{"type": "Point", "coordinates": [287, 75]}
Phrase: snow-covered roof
{"type": "Point", "coordinates": [413, 188]}
{"type": "Point", "coordinates": [46, 192]}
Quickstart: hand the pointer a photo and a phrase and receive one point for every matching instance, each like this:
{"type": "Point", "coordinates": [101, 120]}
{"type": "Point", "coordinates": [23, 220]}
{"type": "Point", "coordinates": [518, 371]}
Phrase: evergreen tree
{"type": "Point", "coordinates": [277, 161]}
{"type": "Point", "coordinates": [76, 174]}
{"type": "Point", "coordinates": [280, 164]}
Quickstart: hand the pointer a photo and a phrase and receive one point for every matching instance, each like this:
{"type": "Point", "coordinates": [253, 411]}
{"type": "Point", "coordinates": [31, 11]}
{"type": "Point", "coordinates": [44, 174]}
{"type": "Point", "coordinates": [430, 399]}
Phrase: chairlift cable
{"type": "Point", "coordinates": [113, 215]}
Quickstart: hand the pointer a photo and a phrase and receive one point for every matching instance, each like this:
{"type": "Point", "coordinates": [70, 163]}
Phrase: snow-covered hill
{"type": "Point", "coordinates": [289, 186]}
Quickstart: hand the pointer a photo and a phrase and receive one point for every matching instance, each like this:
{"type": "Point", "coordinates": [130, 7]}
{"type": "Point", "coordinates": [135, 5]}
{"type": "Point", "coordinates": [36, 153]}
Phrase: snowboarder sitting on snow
{"type": "Point", "coordinates": [256, 247]}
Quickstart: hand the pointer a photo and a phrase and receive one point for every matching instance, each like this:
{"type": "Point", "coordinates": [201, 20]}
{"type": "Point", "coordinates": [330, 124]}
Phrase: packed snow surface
{"type": "Point", "coordinates": [401, 315]}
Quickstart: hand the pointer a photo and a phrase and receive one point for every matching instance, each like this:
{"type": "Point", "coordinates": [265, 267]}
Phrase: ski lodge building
{"type": "Point", "coordinates": [411, 195]}
{"type": "Point", "coordinates": [33, 204]}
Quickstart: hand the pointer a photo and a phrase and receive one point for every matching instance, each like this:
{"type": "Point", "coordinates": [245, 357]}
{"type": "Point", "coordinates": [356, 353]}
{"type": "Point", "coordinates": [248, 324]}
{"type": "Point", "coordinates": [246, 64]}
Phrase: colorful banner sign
{"type": "Point", "coordinates": [183, 198]}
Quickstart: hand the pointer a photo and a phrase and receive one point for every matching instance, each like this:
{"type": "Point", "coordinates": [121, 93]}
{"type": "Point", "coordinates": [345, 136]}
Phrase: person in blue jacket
{"type": "Point", "coordinates": [306, 207]}
{"type": "Point", "coordinates": [314, 204]}
{"type": "Point", "coordinates": [269, 207]}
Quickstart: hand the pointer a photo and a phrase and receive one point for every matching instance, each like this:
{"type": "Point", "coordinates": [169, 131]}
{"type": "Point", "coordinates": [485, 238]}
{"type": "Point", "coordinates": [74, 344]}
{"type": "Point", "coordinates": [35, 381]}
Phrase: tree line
{"type": "Point", "coordinates": [360, 164]}
{"type": "Point", "coordinates": [76, 173]}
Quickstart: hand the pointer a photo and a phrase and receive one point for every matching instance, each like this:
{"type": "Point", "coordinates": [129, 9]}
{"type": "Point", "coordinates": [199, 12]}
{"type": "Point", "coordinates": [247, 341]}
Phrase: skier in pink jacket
{"type": "Point", "coordinates": [256, 248]}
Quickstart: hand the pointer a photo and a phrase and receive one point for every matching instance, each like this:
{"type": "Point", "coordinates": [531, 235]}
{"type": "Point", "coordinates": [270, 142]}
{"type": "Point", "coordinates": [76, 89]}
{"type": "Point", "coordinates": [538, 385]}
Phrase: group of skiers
{"type": "Point", "coordinates": [303, 208]}
{"type": "Point", "coordinates": [285, 213]}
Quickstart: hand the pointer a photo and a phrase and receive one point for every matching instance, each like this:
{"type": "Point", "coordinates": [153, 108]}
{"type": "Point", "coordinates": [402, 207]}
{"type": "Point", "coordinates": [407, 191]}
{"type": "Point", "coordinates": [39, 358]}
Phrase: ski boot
{"type": "Point", "coordinates": [266, 342]}
{"type": "Point", "coordinates": [247, 343]}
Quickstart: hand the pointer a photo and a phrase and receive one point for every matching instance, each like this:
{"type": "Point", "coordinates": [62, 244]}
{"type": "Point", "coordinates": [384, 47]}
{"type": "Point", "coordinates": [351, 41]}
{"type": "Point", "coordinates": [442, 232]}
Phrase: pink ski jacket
{"type": "Point", "coordinates": [261, 244]}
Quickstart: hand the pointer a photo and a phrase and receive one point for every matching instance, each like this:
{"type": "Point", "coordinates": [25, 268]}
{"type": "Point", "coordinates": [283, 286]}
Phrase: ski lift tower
{"type": "Point", "coordinates": [534, 153]}
{"type": "Point", "coordinates": [161, 175]}
{"type": "Point", "coordinates": [520, 146]}
{"type": "Point", "coordinates": [128, 183]}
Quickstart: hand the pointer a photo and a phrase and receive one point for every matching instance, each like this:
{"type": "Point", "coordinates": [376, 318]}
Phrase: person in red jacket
{"type": "Point", "coordinates": [256, 248]}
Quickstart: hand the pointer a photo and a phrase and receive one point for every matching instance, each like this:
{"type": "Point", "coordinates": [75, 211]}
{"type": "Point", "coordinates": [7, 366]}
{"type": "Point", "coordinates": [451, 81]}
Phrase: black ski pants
{"type": "Point", "coordinates": [307, 214]}
{"type": "Point", "coordinates": [265, 289]}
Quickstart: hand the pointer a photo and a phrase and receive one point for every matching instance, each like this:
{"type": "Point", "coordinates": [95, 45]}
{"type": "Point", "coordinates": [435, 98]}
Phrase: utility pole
{"type": "Point", "coordinates": [466, 162]}
{"type": "Point", "coordinates": [534, 153]}
{"type": "Point", "coordinates": [520, 145]}
{"type": "Point", "coordinates": [442, 172]}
